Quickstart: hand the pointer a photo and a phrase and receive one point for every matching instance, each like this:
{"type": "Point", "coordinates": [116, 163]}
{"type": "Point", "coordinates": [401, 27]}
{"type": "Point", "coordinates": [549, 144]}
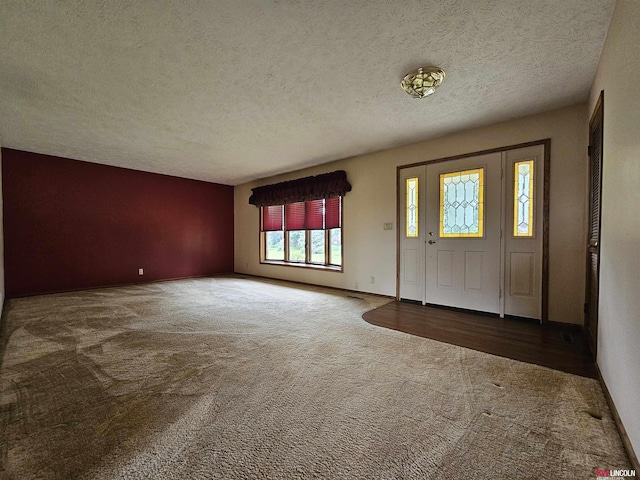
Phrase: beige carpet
{"type": "Point", "coordinates": [243, 378]}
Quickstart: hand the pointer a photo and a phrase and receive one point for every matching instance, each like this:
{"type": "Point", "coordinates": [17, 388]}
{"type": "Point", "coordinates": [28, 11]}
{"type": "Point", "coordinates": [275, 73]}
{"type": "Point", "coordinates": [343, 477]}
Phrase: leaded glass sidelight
{"type": "Point", "coordinates": [412, 207]}
{"type": "Point", "coordinates": [462, 203]}
{"type": "Point", "coordinates": [523, 199]}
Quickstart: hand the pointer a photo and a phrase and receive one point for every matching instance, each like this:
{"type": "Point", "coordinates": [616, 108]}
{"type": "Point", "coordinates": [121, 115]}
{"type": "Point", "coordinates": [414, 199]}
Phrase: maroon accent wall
{"type": "Point", "coordinates": [70, 225]}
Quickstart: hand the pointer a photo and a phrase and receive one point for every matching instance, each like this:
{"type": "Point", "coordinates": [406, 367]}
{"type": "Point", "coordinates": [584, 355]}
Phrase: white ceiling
{"type": "Point", "coordinates": [234, 90]}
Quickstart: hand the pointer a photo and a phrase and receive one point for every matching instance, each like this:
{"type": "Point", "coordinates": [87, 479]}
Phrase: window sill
{"type": "Point", "coordinates": [327, 268]}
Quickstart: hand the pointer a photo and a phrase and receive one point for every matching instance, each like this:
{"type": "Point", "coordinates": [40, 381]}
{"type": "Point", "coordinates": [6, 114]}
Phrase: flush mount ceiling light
{"type": "Point", "coordinates": [422, 82]}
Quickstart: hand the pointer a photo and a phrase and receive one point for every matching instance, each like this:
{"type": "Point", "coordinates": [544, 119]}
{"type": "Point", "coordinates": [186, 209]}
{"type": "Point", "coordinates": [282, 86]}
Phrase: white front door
{"type": "Point", "coordinates": [463, 221]}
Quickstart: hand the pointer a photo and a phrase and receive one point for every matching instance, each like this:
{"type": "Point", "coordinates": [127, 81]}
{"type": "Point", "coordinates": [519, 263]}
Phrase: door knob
{"type": "Point", "coordinates": [431, 242]}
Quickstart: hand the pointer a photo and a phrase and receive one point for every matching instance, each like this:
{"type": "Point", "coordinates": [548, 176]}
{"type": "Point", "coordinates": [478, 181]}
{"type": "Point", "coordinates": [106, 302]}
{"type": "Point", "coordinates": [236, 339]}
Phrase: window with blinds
{"type": "Point", "coordinates": [303, 233]}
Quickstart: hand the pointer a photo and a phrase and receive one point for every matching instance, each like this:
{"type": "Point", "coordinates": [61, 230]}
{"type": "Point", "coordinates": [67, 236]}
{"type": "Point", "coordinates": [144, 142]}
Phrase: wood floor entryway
{"type": "Point", "coordinates": [553, 345]}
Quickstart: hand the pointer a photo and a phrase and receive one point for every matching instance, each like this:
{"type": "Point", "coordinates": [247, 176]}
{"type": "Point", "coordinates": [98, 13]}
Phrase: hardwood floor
{"type": "Point", "coordinates": [558, 346]}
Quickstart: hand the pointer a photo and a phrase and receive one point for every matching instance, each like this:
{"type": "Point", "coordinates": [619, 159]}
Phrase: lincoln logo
{"type": "Point", "coordinates": [615, 473]}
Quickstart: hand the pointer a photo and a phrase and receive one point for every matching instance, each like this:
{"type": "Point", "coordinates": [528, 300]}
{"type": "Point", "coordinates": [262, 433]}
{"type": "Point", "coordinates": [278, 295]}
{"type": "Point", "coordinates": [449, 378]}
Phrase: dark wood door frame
{"type": "Point", "coordinates": [592, 284]}
{"type": "Point", "coordinates": [545, 211]}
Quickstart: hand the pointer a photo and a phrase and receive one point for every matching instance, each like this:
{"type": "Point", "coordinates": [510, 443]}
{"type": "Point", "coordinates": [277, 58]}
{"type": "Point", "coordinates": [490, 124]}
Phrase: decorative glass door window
{"type": "Point", "coordinates": [523, 199]}
{"type": "Point", "coordinates": [462, 203]}
{"type": "Point", "coordinates": [412, 207]}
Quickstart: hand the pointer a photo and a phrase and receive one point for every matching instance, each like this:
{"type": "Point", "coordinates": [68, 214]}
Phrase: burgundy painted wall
{"type": "Point", "coordinates": [70, 225]}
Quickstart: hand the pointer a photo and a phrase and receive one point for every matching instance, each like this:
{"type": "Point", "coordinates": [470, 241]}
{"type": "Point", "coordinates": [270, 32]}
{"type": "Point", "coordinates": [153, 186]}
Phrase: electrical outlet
{"type": "Point", "coordinates": [388, 226]}
{"type": "Point", "coordinates": [373, 279]}
{"type": "Point", "coordinates": [141, 271]}
{"type": "Point", "coordinates": [356, 285]}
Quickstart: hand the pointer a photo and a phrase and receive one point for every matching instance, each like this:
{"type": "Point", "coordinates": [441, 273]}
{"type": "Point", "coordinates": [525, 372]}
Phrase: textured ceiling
{"type": "Point", "coordinates": [229, 91]}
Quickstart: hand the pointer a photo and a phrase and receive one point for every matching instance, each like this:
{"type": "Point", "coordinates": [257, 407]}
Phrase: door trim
{"type": "Point", "coordinates": [545, 210]}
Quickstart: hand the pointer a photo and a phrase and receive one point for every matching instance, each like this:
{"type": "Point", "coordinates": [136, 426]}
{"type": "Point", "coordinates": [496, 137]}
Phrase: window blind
{"type": "Point", "coordinates": [272, 218]}
{"type": "Point", "coordinates": [333, 215]}
{"type": "Point", "coordinates": [314, 215]}
{"type": "Point", "coordinates": [294, 216]}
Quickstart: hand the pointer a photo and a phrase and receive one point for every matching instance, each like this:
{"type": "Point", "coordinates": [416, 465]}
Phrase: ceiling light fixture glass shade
{"type": "Point", "coordinates": [422, 82]}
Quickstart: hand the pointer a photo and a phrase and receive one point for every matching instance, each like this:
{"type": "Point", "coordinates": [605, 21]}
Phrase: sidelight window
{"type": "Point", "coordinates": [523, 199]}
{"type": "Point", "coordinates": [412, 207]}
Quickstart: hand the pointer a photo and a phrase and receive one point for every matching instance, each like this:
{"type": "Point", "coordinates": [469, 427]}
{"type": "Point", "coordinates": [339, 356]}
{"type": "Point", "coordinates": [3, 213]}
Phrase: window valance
{"type": "Point", "coordinates": [326, 185]}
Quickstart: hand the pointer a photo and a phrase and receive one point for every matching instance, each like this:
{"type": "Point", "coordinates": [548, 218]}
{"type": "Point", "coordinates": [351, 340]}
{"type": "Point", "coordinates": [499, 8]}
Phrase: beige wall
{"type": "Point", "coordinates": [619, 312]}
{"type": "Point", "coordinates": [370, 251]}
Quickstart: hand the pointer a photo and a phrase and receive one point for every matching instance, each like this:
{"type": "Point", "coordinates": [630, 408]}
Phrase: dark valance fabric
{"type": "Point", "coordinates": [327, 185]}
